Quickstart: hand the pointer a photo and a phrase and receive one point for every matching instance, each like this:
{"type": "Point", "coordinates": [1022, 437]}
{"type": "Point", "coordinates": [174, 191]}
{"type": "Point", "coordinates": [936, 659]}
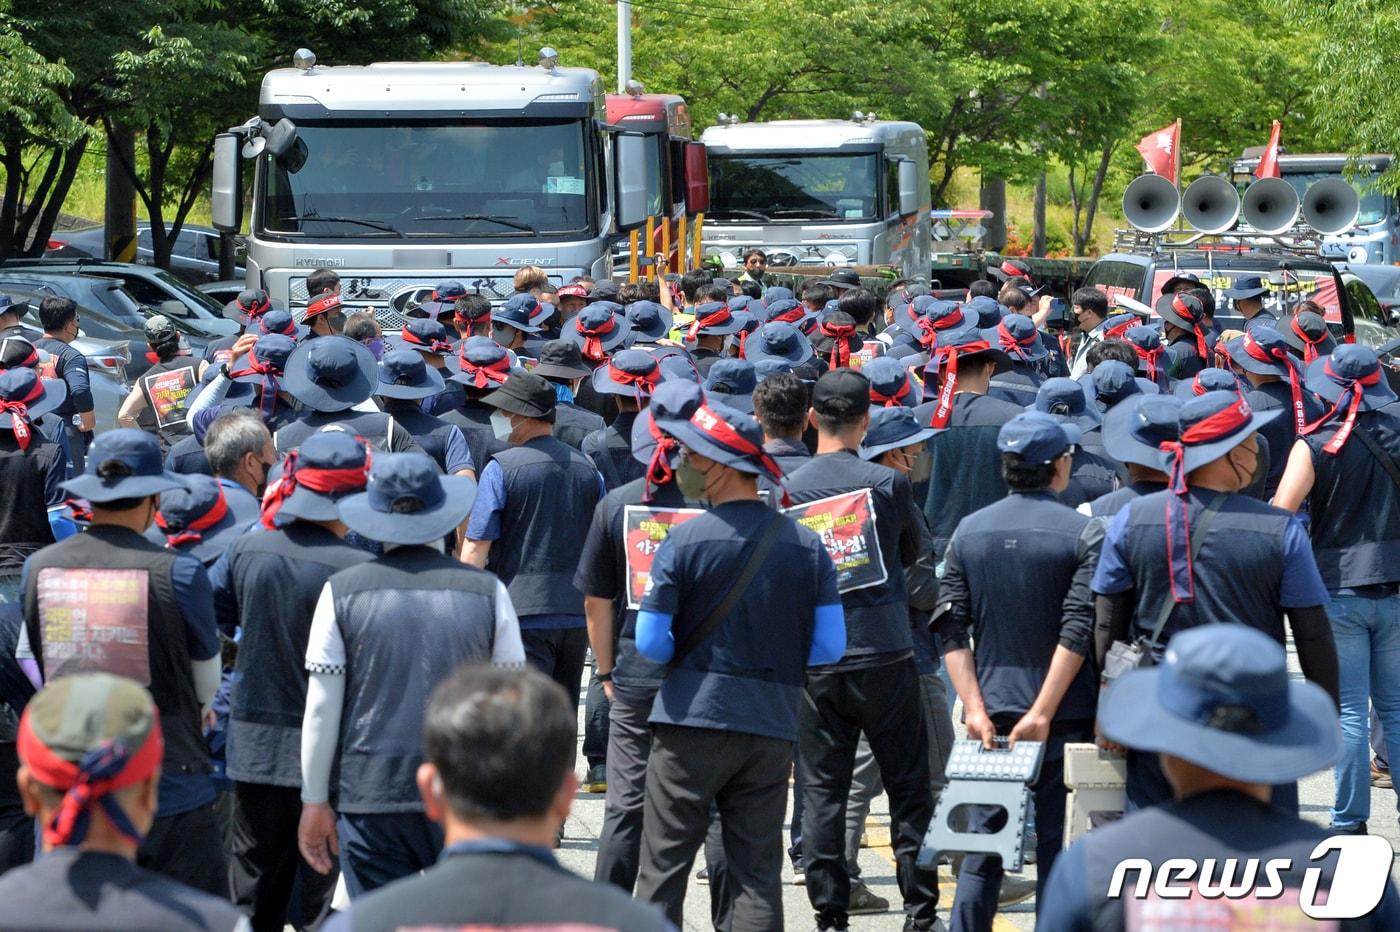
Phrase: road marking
{"type": "Point", "coordinates": [879, 838]}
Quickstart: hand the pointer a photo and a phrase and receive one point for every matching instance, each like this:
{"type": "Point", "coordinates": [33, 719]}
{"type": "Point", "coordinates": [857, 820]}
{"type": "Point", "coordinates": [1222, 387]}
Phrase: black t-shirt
{"type": "Point", "coordinates": [70, 889]}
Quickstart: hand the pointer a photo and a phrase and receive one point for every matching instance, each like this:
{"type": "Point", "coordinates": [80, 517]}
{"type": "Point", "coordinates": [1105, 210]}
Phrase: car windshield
{"type": "Point", "coordinates": [356, 180]}
{"type": "Point", "coordinates": [794, 187]}
{"type": "Point", "coordinates": [1374, 204]}
{"type": "Point", "coordinates": [189, 294]}
{"type": "Point", "coordinates": [1313, 284]}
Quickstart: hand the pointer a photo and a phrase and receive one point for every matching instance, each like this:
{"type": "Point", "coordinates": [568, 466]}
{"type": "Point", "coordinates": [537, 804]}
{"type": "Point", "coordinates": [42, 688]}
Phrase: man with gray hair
{"type": "Point", "coordinates": [240, 452]}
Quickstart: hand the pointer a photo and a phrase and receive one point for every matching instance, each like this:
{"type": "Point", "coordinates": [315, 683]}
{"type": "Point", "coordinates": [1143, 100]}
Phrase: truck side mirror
{"type": "Point", "coordinates": [629, 165]}
{"type": "Point", "coordinates": [697, 178]}
{"type": "Point", "coordinates": [912, 188]}
{"type": "Point", "coordinates": [226, 196]}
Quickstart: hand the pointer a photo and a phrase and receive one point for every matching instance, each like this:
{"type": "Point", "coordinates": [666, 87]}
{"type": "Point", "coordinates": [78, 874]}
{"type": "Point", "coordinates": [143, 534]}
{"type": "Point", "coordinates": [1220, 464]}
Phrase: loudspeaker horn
{"type": "Point", "coordinates": [1210, 204]}
{"type": "Point", "coordinates": [1270, 206]}
{"type": "Point", "coordinates": [1150, 203]}
{"type": "Point", "coordinates": [1331, 206]}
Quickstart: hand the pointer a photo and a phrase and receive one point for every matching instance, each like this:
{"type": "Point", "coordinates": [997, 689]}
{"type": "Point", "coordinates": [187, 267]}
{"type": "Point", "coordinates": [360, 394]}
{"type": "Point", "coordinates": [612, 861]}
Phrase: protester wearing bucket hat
{"type": "Point", "coordinates": [732, 382]}
{"type": "Point", "coordinates": [740, 714]}
{"type": "Point", "coordinates": [1248, 295]}
{"type": "Point", "coordinates": [713, 322]}
{"type": "Point", "coordinates": [199, 519]}
{"type": "Point", "coordinates": [835, 339]}
{"type": "Point", "coordinates": [1113, 381]}
{"type": "Point", "coordinates": [1032, 630]}
{"type": "Point", "coordinates": [599, 330]}
{"type": "Point", "coordinates": [32, 469]}
{"type": "Point", "coordinates": [788, 311]}
{"type": "Point", "coordinates": [423, 335]}
{"type": "Point", "coordinates": [91, 743]}
{"type": "Point", "coordinates": [1308, 335]}
{"type": "Point", "coordinates": [532, 511]}
{"type": "Point", "coordinates": [1092, 472]}
{"type": "Point", "coordinates": [333, 379]}
{"type": "Point", "coordinates": [627, 679]}
{"type": "Point", "coordinates": [1184, 328]}
{"type": "Point", "coordinates": [511, 323]}
{"type": "Point", "coordinates": [441, 301]}
{"type": "Point", "coordinates": [942, 376]}
{"type": "Point", "coordinates": [1017, 336]}
{"type": "Point", "coordinates": [561, 365]}
{"type": "Point", "coordinates": [363, 681]}
{"type": "Point", "coordinates": [1133, 434]}
{"type": "Point", "coordinates": [405, 380]}
{"type": "Point", "coordinates": [629, 377]}
{"type": "Point", "coordinates": [929, 321]}
{"type": "Point", "coordinates": [1339, 470]}
{"type": "Point", "coordinates": [253, 377]}
{"type": "Point", "coordinates": [1226, 718]}
{"type": "Point", "coordinates": [1276, 379]}
{"type": "Point", "coordinates": [1152, 355]}
{"type": "Point", "coordinates": [891, 384]}
{"type": "Point", "coordinates": [482, 366]}
{"type": "Point", "coordinates": [1208, 380]}
{"type": "Point", "coordinates": [268, 585]}
{"type": "Point", "coordinates": [244, 310]}
{"type": "Point", "coordinates": [1158, 575]}
{"type": "Point", "coordinates": [778, 340]}
{"type": "Point", "coordinates": [650, 322]}
{"type": "Point", "coordinates": [1010, 269]}
{"type": "Point", "coordinates": [895, 430]}
{"type": "Point", "coordinates": [176, 642]}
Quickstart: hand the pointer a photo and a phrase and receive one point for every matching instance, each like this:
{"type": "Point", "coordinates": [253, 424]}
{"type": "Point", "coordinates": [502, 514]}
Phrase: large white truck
{"type": "Point", "coordinates": [820, 192]}
{"type": "Point", "coordinates": [399, 175]}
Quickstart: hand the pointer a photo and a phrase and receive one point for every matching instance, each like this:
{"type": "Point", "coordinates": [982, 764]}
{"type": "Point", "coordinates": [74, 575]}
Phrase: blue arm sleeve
{"type": "Point", "coordinates": [485, 521]}
{"type": "Point", "coordinates": [654, 639]}
{"type": "Point", "coordinates": [828, 635]}
{"type": "Point", "coordinates": [196, 598]}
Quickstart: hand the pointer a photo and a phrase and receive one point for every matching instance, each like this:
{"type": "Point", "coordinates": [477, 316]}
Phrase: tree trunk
{"type": "Point", "coordinates": [1092, 207]}
{"type": "Point", "coordinates": [1038, 245]}
{"type": "Point", "coordinates": [992, 196]}
{"type": "Point", "coordinates": [9, 209]}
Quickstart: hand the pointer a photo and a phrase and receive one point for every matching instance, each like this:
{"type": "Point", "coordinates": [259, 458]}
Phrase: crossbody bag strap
{"type": "Point", "coordinates": [753, 562]}
{"type": "Point", "coordinates": [1198, 537]}
{"type": "Point", "coordinates": [1380, 454]}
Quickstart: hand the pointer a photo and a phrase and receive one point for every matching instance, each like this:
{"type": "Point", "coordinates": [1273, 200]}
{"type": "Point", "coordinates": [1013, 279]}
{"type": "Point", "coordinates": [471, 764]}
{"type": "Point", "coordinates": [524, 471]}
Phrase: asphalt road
{"type": "Point", "coordinates": [580, 847]}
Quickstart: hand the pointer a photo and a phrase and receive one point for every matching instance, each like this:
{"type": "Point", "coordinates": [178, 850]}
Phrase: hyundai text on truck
{"type": "Point", "coordinates": [399, 175]}
{"type": "Point", "coordinates": [820, 192]}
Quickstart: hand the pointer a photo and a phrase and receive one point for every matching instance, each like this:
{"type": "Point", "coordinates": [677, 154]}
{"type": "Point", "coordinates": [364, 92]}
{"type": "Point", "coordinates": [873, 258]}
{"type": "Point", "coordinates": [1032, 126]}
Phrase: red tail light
{"type": "Point", "coordinates": [57, 243]}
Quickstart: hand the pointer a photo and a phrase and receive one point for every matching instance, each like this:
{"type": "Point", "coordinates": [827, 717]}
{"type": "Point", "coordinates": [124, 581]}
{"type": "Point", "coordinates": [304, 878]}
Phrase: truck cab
{"type": "Point", "coordinates": [1375, 237]}
{"type": "Point", "coordinates": [820, 192]}
{"type": "Point", "coordinates": [398, 175]}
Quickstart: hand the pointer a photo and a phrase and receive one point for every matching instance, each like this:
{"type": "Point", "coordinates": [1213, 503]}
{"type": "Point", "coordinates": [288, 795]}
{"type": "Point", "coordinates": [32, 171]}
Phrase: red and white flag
{"type": "Point", "coordinates": [1268, 162]}
{"type": "Point", "coordinates": [1159, 151]}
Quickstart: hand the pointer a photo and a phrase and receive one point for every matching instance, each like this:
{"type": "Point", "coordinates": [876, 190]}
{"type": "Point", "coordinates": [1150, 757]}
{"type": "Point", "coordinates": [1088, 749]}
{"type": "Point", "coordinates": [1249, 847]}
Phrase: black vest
{"type": "Point", "coordinates": [572, 424]}
{"type": "Point", "coordinates": [1355, 506]}
{"type": "Point", "coordinates": [63, 646]}
{"type": "Point", "coordinates": [1106, 506]}
{"type": "Point", "coordinates": [374, 426]}
{"type": "Point", "coordinates": [24, 517]}
{"type": "Point", "coordinates": [473, 419]}
{"type": "Point", "coordinates": [167, 387]}
{"type": "Point", "coordinates": [610, 449]}
{"type": "Point", "coordinates": [431, 433]}
{"type": "Point", "coordinates": [277, 577]}
{"type": "Point", "coordinates": [408, 619]}
{"type": "Point", "coordinates": [551, 490]}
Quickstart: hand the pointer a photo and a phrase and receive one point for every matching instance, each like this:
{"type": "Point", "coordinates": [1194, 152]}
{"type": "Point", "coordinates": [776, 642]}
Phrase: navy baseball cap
{"type": "Point", "coordinates": [1134, 431]}
{"type": "Point", "coordinates": [199, 520]}
{"type": "Point", "coordinates": [1247, 286]}
{"type": "Point", "coordinates": [331, 374]}
{"type": "Point", "coordinates": [123, 463]}
{"type": "Point", "coordinates": [1222, 699]}
{"type": "Point", "coordinates": [1037, 437]}
{"type": "Point", "coordinates": [404, 374]}
{"type": "Point", "coordinates": [732, 382]}
{"type": "Point", "coordinates": [892, 429]}
{"type": "Point", "coordinates": [408, 501]}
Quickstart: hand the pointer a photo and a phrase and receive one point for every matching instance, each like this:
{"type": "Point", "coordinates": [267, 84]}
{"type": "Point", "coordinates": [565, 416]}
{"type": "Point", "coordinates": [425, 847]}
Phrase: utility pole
{"type": "Point", "coordinates": [624, 44]}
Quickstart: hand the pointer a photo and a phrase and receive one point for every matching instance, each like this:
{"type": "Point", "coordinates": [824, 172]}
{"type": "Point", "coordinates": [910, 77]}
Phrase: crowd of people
{"type": "Point", "coordinates": [322, 610]}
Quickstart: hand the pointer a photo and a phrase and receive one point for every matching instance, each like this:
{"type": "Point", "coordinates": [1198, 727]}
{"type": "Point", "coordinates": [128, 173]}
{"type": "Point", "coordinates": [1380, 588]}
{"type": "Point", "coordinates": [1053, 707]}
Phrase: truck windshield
{"type": "Point", "coordinates": [794, 187]}
{"type": "Point", "coordinates": [441, 180]}
{"type": "Point", "coordinates": [1374, 205]}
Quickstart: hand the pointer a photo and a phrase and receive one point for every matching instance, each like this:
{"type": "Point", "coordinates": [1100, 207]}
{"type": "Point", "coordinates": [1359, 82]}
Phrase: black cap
{"type": "Point", "coordinates": [842, 393]}
{"type": "Point", "coordinates": [526, 394]}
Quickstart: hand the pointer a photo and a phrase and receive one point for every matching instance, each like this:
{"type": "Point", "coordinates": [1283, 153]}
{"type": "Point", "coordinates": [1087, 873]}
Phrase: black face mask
{"type": "Point", "coordinates": [262, 483]}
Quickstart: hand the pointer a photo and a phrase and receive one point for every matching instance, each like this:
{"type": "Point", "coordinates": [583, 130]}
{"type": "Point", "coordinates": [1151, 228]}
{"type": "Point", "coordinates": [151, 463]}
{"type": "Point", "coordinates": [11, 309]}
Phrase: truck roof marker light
{"type": "Point", "coordinates": [304, 60]}
{"type": "Point", "coordinates": [557, 97]}
{"type": "Point", "coordinates": [549, 58]}
{"type": "Point", "coordinates": [635, 88]}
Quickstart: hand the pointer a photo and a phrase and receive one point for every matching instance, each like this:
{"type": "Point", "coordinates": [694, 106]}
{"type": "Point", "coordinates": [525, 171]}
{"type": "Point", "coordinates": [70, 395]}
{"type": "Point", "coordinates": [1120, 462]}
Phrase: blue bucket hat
{"type": "Point", "coordinates": [481, 363]}
{"type": "Point", "coordinates": [123, 463]}
{"type": "Point", "coordinates": [408, 501]}
{"type": "Point", "coordinates": [1263, 351]}
{"type": "Point", "coordinates": [778, 340]}
{"type": "Point", "coordinates": [598, 330]}
{"type": "Point", "coordinates": [1211, 379]}
{"type": "Point", "coordinates": [424, 335]}
{"type": "Point", "coordinates": [714, 319]}
{"type": "Point", "coordinates": [891, 429]}
{"type": "Point", "coordinates": [272, 352]}
{"type": "Point", "coordinates": [674, 400]}
{"type": "Point", "coordinates": [1017, 336]}
{"type": "Point", "coordinates": [649, 321]}
{"type": "Point", "coordinates": [1217, 433]}
{"type": "Point", "coordinates": [281, 322]}
{"type": "Point", "coordinates": [1351, 380]}
{"type": "Point", "coordinates": [442, 300]}
{"type": "Point", "coordinates": [1188, 278]}
{"type": "Point", "coordinates": [329, 449]}
{"type": "Point", "coordinates": [331, 374]}
{"type": "Point", "coordinates": [777, 293]}
{"type": "Point", "coordinates": [38, 396]}
{"type": "Point", "coordinates": [1134, 431]}
{"type": "Point", "coordinates": [989, 312]}
{"type": "Point", "coordinates": [763, 368]}
{"type": "Point", "coordinates": [1222, 699]}
{"type": "Point", "coordinates": [927, 318]}
{"type": "Point", "coordinates": [1064, 398]}
{"type": "Point", "coordinates": [632, 373]}
{"type": "Point", "coordinates": [1247, 286]}
{"type": "Point", "coordinates": [891, 385]}
{"type": "Point", "coordinates": [1037, 437]}
{"type": "Point", "coordinates": [517, 311]}
{"type": "Point", "coordinates": [788, 311]}
{"type": "Point", "coordinates": [730, 438]}
{"type": "Point", "coordinates": [1113, 381]}
{"type": "Point", "coordinates": [403, 374]}
{"type": "Point", "coordinates": [732, 382]}
{"type": "Point", "coordinates": [199, 520]}
{"type": "Point", "coordinates": [1307, 333]}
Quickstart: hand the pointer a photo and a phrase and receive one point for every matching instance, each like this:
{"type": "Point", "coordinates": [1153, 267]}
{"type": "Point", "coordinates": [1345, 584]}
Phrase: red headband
{"type": "Point", "coordinates": [1180, 307]}
{"type": "Point", "coordinates": [1295, 378]}
{"type": "Point", "coordinates": [840, 335]}
{"type": "Point", "coordinates": [1310, 343]}
{"type": "Point", "coordinates": [1150, 356]}
{"type": "Point", "coordinates": [895, 400]}
{"type": "Point", "coordinates": [325, 481]}
{"type": "Point", "coordinates": [592, 337]}
{"type": "Point", "coordinates": [436, 346]}
{"type": "Point", "coordinates": [930, 328]}
{"type": "Point", "coordinates": [19, 413]}
{"type": "Point", "coordinates": [191, 532]}
{"type": "Point", "coordinates": [1353, 390]}
{"type": "Point", "coordinates": [791, 315]}
{"type": "Point", "coordinates": [1208, 430]}
{"type": "Point", "coordinates": [322, 304]}
{"type": "Point", "coordinates": [1117, 331]}
{"type": "Point", "coordinates": [1011, 344]}
{"type": "Point", "coordinates": [101, 772]}
{"type": "Point", "coordinates": [643, 383]}
{"type": "Point", "coordinates": [720, 316]}
{"type": "Point", "coordinates": [950, 379]}
{"type": "Point", "coordinates": [493, 373]}
{"type": "Point", "coordinates": [483, 320]}
{"type": "Point", "coordinates": [30, 361]}
{"type": "Point", "coordinates": [257, 309]}
{"type": "Point", "coordinates": [267, 403]}
{"type": "Point", "coordinates": [659, 471]}
{"type": "Point", "coordinates": [1013, 271]}
{"type": "Point", "coordinates": [719, 430]}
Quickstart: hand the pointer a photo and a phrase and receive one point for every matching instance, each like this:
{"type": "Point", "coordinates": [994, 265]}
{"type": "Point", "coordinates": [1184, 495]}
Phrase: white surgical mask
{"type": "Point", "coordinates": [501, 425]}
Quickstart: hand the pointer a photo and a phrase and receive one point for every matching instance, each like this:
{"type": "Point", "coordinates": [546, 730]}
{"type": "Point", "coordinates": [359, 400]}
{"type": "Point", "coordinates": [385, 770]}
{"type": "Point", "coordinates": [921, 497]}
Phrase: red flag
{"type": "Point", "coordinates": [1268, 162]}
{"type": "Point", "coordinates": [1158, 150]}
